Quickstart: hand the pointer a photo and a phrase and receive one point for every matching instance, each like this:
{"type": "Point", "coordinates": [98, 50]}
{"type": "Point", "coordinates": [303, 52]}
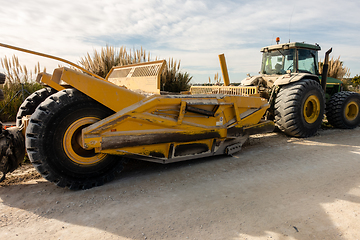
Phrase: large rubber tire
{"type": "Point", "coordinates": [31, 102]}
{"type": "Point", "coordinates": [299, 108]}
{"type": "Point", "coordinates": [52, 142]}
{"type": "Point", "coordinates": [342, 110]}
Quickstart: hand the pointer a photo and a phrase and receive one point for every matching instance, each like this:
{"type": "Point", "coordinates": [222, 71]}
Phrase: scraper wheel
{"type": "Point", "coordinates": [31, 102]}
{"type": "Point", "coordinates": [53, 140]}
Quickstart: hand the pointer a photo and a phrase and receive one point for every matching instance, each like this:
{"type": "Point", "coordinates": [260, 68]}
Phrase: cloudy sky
{"type": "Point", "coordinates": [194, 32]}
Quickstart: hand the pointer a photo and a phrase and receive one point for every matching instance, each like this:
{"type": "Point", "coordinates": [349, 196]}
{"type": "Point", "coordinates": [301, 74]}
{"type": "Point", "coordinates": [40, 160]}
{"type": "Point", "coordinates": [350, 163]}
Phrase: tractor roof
{"type": "Point", "coordinates": [291, 45]}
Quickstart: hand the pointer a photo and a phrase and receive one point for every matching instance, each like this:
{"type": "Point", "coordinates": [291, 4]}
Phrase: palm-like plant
{"type": "Point", "coordinates": [16, 73]}
{"type": "Point", "coordinates": [100, 63]}
{"type": "Point", "coordinates": [20, 83]}
{"type": "Point", "coordinates": [336, 69]}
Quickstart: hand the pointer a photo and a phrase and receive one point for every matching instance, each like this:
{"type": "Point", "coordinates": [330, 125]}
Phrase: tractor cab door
{"type": "Point", "coordinates": [278, 62]}
{"type": "Point", "coordinates": [307, 61]}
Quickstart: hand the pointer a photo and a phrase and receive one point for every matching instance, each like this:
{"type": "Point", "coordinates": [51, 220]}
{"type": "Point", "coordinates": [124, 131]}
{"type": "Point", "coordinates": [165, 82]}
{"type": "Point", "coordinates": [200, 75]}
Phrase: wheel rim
{"type": "Point", "coordinates": [351, 111]}
{"type": "Point", "coordinates": [72, 143]}
{"type": "Point", "coordinates": [311, 109]}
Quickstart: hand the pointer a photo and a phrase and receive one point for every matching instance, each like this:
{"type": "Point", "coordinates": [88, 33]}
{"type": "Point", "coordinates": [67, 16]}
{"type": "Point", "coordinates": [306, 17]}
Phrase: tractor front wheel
{"type": "Point", "coordinates": [53, 142]}
{"type": "Point", "coordinates": [342, 110]}
{"type": "Point", "coordinates": [299, 108]}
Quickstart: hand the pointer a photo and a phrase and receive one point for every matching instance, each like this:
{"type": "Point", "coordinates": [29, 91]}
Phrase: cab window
{"type": "Point", "coordinates": [278, 62]}
{"type": "Point", "coordinates": [307, 62]}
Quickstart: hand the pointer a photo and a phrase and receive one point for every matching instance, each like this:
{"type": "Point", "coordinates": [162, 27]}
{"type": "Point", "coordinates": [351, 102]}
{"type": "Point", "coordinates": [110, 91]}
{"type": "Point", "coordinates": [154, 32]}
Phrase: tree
{"type": "Point", "coordinates": [356, 81]}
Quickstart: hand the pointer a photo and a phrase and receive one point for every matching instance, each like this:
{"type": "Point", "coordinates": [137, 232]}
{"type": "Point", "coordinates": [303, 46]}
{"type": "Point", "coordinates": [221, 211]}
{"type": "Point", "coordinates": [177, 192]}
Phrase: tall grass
{"type": "Point", "coordinates": [217, 79]}
{"type": "Point", "coordinates": [15, 94]}
{"type": "Point", "coordinates": [20, 83]}
{"type": "Point", "coordinates": [172, 80]}
{"type": "Point", "coordinates": [101, 62]}
{"type": "Point", "coordinates": [336, 69]}
{"type": "Point", "coordinates": [16, 73]}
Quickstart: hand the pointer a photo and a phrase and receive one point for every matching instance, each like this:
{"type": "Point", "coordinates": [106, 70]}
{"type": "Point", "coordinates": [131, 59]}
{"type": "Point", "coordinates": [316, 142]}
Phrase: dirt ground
{"type": "Point", "coordinates": [277, 187]}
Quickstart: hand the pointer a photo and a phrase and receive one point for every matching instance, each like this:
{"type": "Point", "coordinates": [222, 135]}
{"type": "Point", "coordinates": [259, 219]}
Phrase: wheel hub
{"type": "Point", "coordinates": [311, 109]}
{"type": "Point", "coordinates": [351, 111]}
{"type": "Point", "coordinates": [72, 143]}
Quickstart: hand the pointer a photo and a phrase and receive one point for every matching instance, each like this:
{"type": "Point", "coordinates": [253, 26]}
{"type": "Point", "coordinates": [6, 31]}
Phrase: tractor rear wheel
{"type": "Point", "coordinates": [299, 108]}
{"type": "Point", "coordinates": [342, 110]}
{"type": "Point", "coordinates": [31, 102]}
{"type": "Point", "coordinates": [53, 142]}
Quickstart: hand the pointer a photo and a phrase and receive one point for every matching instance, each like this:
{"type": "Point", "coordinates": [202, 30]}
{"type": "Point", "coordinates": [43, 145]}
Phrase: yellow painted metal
{"type": "Point", "coordinates": [51, 57]}
{"type": "Point", "coordinates": [47, 79]}
{"type": "Point", "coordinates": [224, 69]}
{"type": "Point", "coordinates": [351, 111]}
{"type": "Point", "coordinates": [141, 77]}
{"type": "Point", "coordinates": [156, 122]}
{"type": "Point", "coordinates": [143, 150]}
{"type": "Point", "coordinates": [160, 128]}
{"type": "Point", "coordinates": [24, 124]}
{"type": "Point", "coordinates": [72, 143]}
{"type": "Point", "coordinates": [181, 112]}
{"type": "Point", "coordinates": [311, 109]}
{"type": "Point", "coordinates": [228, 90]}
{"type": "Point", "coordinates": [110, 95]}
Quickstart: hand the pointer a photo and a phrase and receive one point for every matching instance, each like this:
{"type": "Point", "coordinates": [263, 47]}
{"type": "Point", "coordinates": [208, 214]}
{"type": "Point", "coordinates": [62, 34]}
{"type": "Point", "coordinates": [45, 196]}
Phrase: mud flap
{"type": "Point", "coordinates": [12, 150]}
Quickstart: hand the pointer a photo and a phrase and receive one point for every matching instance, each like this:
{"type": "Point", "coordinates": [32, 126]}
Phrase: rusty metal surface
{"type": "Point", "coordinates": [147, 139]}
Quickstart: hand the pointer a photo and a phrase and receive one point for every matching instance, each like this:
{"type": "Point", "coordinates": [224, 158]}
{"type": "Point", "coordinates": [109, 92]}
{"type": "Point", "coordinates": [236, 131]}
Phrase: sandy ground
{"type": "Point", "coordinates": [277, 187]}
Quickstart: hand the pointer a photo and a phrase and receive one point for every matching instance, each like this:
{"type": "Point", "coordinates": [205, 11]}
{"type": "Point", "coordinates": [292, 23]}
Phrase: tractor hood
{"type": "Point", "coordinates": [277, 80]}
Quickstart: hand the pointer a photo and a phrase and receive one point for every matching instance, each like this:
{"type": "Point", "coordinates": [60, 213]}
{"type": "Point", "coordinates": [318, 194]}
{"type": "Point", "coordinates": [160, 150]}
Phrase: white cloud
{"type": "Point", "coordinates": [193, 31]}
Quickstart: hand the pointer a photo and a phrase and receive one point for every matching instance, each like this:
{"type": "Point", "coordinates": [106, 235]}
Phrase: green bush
{"type": "Point", "coordinates": [14, 95]}
{"type": "Point", "coordinates": [20, 83]}
{"type": "Point", "coordinates": [356, 82]}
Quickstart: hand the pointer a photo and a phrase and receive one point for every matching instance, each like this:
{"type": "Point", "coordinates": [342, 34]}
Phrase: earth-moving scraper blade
{"type": "Point", "coordinates": [79, 136]}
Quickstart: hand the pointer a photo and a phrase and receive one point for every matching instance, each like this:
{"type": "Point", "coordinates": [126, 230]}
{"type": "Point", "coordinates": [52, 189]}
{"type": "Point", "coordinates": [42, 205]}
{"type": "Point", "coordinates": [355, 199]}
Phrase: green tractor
{"type": "Point", "coordinates": [298, 94]}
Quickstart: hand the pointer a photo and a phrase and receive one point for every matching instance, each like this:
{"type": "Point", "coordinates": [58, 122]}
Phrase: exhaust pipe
{"type": "Point", "coordinates": [325, 69]}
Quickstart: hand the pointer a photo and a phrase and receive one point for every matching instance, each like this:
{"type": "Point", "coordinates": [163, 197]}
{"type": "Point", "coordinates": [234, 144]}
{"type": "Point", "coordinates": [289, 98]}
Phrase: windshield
{"type": "Point", "coordinates": [278, 62]}
{"type": "Point", "coordinates": [308, 62]}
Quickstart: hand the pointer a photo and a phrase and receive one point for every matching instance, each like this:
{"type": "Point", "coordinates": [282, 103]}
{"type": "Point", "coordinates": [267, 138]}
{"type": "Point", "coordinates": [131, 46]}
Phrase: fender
{"type": "Point", "coordinates": [294, 77]}
{"type": "Point", "coordinates": [251, 81]}
{"type": "Point", "coordinates": [277, 80]}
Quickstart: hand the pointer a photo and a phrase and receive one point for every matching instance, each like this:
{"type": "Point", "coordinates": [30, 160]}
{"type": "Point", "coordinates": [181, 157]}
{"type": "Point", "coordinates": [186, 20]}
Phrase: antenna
{"type": "Point", "coordinates": [290, 21]}
{"type": "Point", "coordinates": [272, 39]}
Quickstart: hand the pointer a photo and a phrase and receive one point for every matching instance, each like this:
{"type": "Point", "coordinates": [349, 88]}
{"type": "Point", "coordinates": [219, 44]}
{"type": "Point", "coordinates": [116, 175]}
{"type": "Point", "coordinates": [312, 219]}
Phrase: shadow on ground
{"type": "Point", "coordinates": [277, 187]}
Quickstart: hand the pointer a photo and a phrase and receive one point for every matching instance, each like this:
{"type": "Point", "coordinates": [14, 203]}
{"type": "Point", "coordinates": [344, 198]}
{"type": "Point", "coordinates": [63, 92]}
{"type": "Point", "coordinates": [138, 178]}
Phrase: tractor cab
{"type": "Point", "coordinates": [285, 63]}
{"type": "Point", "coordinates": [290, 58]}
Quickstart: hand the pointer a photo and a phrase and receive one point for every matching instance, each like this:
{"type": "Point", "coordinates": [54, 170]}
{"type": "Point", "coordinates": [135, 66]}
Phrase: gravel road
{"type": "Point", "coordinates": [277, 187]}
